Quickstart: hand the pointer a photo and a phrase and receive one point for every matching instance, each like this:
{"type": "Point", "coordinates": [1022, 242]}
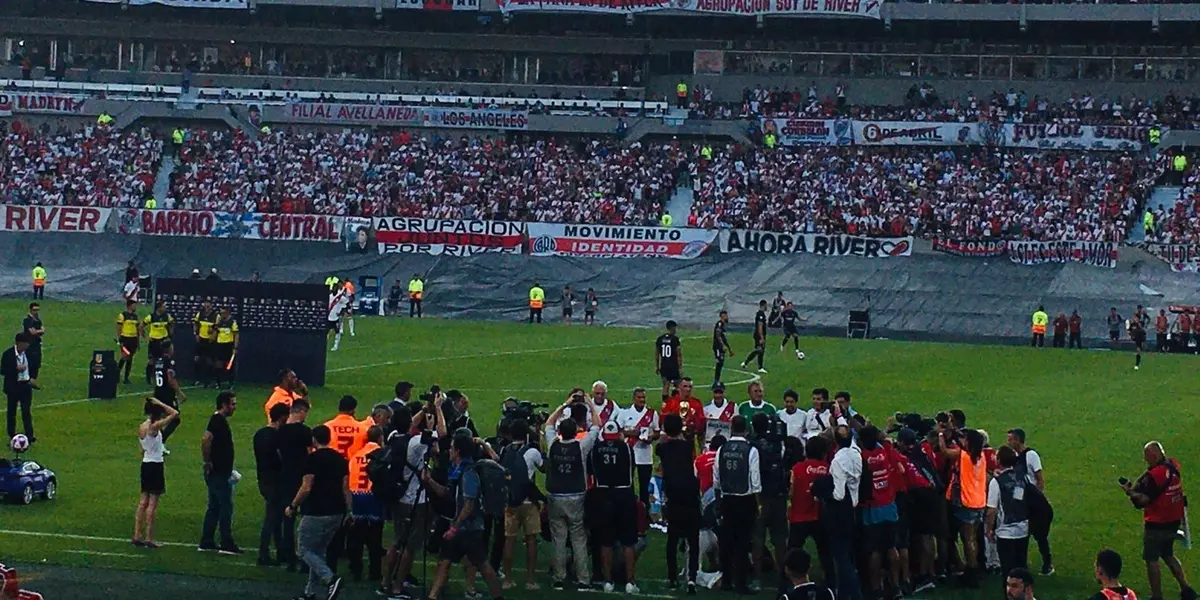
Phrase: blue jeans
{"type": "Point", "coordinates": [842, 551]}
{"type": "Point", "coordinates": [220, 510]}
{"type": "Point", "coordinates": [316, 532]}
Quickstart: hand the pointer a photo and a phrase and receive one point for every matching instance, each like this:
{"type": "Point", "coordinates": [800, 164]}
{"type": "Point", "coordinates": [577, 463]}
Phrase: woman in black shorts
{"type": "Point", "coordinates": [158, 416]}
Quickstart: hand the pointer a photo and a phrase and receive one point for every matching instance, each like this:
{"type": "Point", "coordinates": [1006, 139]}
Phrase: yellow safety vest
{"type": "Point", "coordinates": [151, 204]}
{"type": "Point", "coordinates": [1039, 321]}
{"type": "Point", "coordinates": [177, 137]}
{"type": "Point", "coordinates": [1155, 135]}
{"type": "Point", "coordinates": [1180, 162]}
{"type": "Point", "coordinates": [536, 297]}
{"type": "Point", "coordinates": [681, 90]}
{"type": "Point", "coordinates": [331, 282]}
{"type": "Point", "coordinates": [706, 152]}
{"type": "Point", "coordinates": [769, 140]}
{"type": "Point", "coordinates": [416, 289]}
{"type": "Point", "coordinates": [39, 276]}
{"type": "Point", "coordinates": [1148, 220]}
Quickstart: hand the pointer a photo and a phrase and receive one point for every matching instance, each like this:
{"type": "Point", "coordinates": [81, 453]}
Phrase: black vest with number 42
{"type": "Point", "coordinates": [566, 474]}
{"type": "Point", "coordinates": [734, 465]}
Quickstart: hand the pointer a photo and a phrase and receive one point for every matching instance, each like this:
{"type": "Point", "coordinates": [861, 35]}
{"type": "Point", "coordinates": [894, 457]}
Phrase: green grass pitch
{"type": "Point", "coordinates": [1087, 413]}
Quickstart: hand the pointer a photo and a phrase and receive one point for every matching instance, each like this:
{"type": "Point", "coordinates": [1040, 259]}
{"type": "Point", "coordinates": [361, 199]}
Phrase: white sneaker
{"type": "Point", "coordinates": [762, 370]}
{"type": "Point", "coordinates": [334, 349]}
{"type": "Point", "coordinates": [166, 452]}
{"type": "Point", "coordinates": [1135, 367]}
{"type": "Point", "coordinates": [632, 588]}
{"type": "Point", "coordinates": [608, 587]}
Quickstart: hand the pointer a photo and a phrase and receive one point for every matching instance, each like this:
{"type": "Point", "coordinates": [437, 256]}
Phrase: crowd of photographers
{"type": "Point", "coordinates": [745, 490]}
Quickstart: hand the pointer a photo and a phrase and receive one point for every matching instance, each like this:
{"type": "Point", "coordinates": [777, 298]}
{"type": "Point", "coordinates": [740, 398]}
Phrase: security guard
{"type": "Point", "coordinates": [566, 487]}
{"type": "Point", "coordinates": [226, 346]}
{"type": "Point", "coordinates": [1155, 136]}
{"type": "Point", "coordinates": [157, 328]}
{"type": "Point", "coordinates": [1040, 319]}
{"type": "Point", "coordinates": [332, 282]}
{"type": "Point", "coordinates": [1148, 222]}
{"type": "Point", "coordinates": [738, 482]}
{"type": "Point", "coordinates": [39, 282]}
{"type": "Point", "coordinates": [416, 293]}
{"type": "Point", "coordinates": [177, 140]}
{"type": "Point", "coordinates": [129, 329]}
{"type": "Point", "coordinates": [203, 327]}
{"type": "Point", "coordinates": [612, 505]}
{"type": "Point", "coordinates": [681, 94]}
{"type": "Point", "coordinates": [1179, 165]}
{"type": "Point", "coordinates": [151, 203]}
{"type": "Point", "coordinates": [1108, 574]}
{"type": "Point", "coordinates": [707, 152]}
{"type": "Point", "coordinates": [537, 299]}
{"type": "Point", "coordinates": [769, 140]}
{"type": "Point", "coordinates": [104, 119]}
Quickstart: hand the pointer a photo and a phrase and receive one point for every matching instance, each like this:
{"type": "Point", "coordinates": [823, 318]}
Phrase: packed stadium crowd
{"type": "Point", "coordinates": [1180, 223]}
{"type": "Point", "coordinates": [97, 166]}
{"type": "Point", "coordinates": [975, 193]}
{"type": "Point", "coordinates": [373, 174]}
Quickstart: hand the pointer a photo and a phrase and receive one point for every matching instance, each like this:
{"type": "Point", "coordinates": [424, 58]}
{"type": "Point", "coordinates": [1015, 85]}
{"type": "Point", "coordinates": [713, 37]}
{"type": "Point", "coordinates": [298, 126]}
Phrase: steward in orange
{"type": "Point", "coordinates": [367, 509]}
{"type": "Point", "coordinates": [967, 493]}
{"type": "Point", "coordinates": [1040, 320]}
{"type": "Point", "coordinates": [1159, 494]}
{"type": "Point", "coordinates": [537, 299]}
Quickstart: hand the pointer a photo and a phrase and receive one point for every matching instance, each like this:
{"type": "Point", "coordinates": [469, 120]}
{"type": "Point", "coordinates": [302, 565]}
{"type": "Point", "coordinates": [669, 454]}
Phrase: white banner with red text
{"type": "Point", "coordinates": [380, 115]}
{"type": "Point", "coordinates": [770, 242]}
{"type": "Point", "coordinates": [774, 8]}
{"type": "Point", "coordinates": [72, 219]}
{"type": "Point", "coordinates": [238, 4]}
{"type": "Point", "coordinates": [914, 133]}
{"type": "Point", "coordinates": [1096, 254]}
{"type": "Point", "coordinates": [1068, 136]}
{"type": "Point", "coordinates": [1182, 257]}
{"type": "Point", "coordinates": [618, 241]}
{"type": "Point", "coordinates": [227, 225]}
{"type": "Point", "coordinates": [449, 237]}
{"type": "Point", "coordinates": [803, 132]}
{"type": "Point", "coordinates": [14, 102]}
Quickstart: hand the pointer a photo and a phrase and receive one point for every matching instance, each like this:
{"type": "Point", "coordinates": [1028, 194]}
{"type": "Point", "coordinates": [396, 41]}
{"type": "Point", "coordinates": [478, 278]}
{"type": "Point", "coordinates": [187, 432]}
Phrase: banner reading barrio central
{"type": "Point", "coordinates": [220, 224]}
{"type": "Point", "coordinates": [618, 241]}
{"type": "Point", "coordinates": [769, 242]}
{"type": "Point", "coordinates": [452, 237]}
{"type": "Point", "coordinates": [815, 8]}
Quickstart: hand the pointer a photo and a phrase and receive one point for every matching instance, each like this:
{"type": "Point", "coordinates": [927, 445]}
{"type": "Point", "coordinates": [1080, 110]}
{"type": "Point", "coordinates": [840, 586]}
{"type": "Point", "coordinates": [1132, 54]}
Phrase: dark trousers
{"type": "Point", "coordinates": [337, 548]}
{"type": "Point", "coordinates": [643, 475]}
{"type": "Point", "coordinates": [1043, 543]}
{"type": "Point", "coordinates": [1060, 340]}
{"type": "Point", "coordinates": [737, 528]}
{"type": "Point", "coordinates": [369, 533]}
{"type": "Point", "coordinates": [1039, 340]}
{"type": "Point", "coordinates": [799, 535]}
{"type": "Point", "coordinates": [1162, 342]}
{"type": "Point", "coordinates": [1075, 341]}
{"type": "Point", "coordinates": [39, 292]}
{"type": "Point", "coordinates": [219, 511]}
{"type": "Point", "coordinates": [34, 354]}
{"type": "Point", "coordinates": [414, 308]}
{"type": "Point", "coordinates": [683, 525]}
{"type": "Point", "coordinates": [1013, 554]}
{"type": "Point", "coordinates": [493, 535]}
{"type": "Point", "coordinates": [838, 519]}
{"type": "Point", "coordinates": [535, 313]}
{"type": "Point", "coordinates": [272, 526]}
{"type": "Point", "coordinates": [22, 397]}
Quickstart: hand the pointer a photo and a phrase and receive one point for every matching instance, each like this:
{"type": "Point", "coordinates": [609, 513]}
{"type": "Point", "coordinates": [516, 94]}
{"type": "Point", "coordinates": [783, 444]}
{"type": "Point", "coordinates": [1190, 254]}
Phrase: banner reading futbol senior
{"type": "Point", "coordinates": [1097, 254]}
{"type": "Point", "coordinates": [770, 242]}
{"type": "Point", "coordinates": [972, 248]}
{"type": "Point", "coordinates": [218, 224]}
{"type": "Point", "coordinates": [815, 8]}
{"type": "Point", "coordinates": [72, 219]}
{"type": "Point", "coordinates": [800, 132]}
{"type": "Point", "coordinates": [1073, 136]}
{"type": "Point", "coordinates": [451, 237]}
{"type": "Point", "coordinates": [915, 133]}
{"type": "Point", "coordinates": [618, 241]}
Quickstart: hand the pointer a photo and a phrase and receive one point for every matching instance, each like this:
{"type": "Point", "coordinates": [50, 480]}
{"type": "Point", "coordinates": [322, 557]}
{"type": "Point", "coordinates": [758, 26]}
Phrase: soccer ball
{"type": "Point", "coordinates": [19, 443]}
{"type": "Point", "coordinates": [800, 355]}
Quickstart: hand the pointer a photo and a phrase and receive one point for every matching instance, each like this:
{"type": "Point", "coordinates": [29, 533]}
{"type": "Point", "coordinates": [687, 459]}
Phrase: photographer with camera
{"type": "Point", "coordinates": [738, 481]}
{"type": "Point", "coordinates": [923, 506]}
{"type": "Point", "coordinates": [681, 486]}
{"type": "Point", "coordinates": [880, 515]}
{"type": "Point", "coordinates": [718, 414]}
{"type": "Point", "coordinates": [522, 518]}
{"type": "Point", "coordinates": [566, 485]}
{"type": "Point", "coordinates": [614, 504]}
{"type": "Point", "coordinates": [775, 464]}
{"type": "Point", "coordinates": [1159, 494]}
{"type": "Point", "coordinates": [1007, 523]}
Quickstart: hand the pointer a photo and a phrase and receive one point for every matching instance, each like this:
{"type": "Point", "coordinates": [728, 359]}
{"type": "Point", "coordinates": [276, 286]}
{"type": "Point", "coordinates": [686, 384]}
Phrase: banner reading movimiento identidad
{"type": "Point", "coordinates": [618, 241]}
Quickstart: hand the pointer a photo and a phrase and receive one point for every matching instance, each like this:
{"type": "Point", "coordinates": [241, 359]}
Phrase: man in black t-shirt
{"type": "Point", "coordinates": [791, 329]}
{"type": "Point", "coordinates": [166, 387]}
{"type": "Point", "coordinates": [668, 358]}
{"type": "Point", "coordinates": [294, 441]}
{"type": "Point", "coordinates": [269, 467]}
{"type": "Point", "coordinates": [217, 449]}
{"type": "Point", "coordinates": [795, 567]}
{"type": "Point", "coordinates": [721, 347]}
{"type": "Point", "coordinates": [324, 500]}
{"type": "Point", "coordinates": [33, 328]}
{"type": "Point", "coordinates": [760, 337]}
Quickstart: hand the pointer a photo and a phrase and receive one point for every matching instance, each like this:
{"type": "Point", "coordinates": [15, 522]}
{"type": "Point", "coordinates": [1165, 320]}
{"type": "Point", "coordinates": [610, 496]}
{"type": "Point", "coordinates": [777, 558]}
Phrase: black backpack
{"type": "Point", "coordinates": [493, 487]}
{"type": "Point", "coordinates": [519, 482]}
{"type": "Point", "coordinates": [386, 468]}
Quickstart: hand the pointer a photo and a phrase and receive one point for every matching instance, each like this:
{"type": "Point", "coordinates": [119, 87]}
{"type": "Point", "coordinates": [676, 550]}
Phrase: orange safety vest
{"type": "Point", "coordinates": [972, 482]}
{"type": "Point", "coordinates": [1039, 329]}
{"type": "Point", "coordinates": [349, 435]}
{"type": "Point", "coordinates": [39, 281]}
{"type": "Point", "coordinates": [1112, 594]}
{"type": "Point", "coordinates": [535, 304]}
{"type": "Point", "coordinates": [416, 295]}
{"type": "Point", "coordinates": [360, 483]}
{"type": "Point", "coordinates": [349, 288]}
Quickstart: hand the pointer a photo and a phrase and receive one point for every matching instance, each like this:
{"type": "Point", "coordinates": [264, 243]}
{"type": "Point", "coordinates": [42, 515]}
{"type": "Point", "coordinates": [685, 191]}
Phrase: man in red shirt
{"type": "Point", "coordinates": [804, 514]}
{"type": "Point", "coordinates": [922, 510]}
{"type": "Point", "coordinates": [1075, 327]}
{"type": "Point", "coordinates": [1159, 493]}
{"type": "Point", "coordinates": [1161, 325]}
{"type": "Point", "coordinates": [879, 512]}
{"type": "Point", "coordinates": [704, 463]}
{"type": "Point", "coordinates": [1060, 331]}
{"type": "Point", "coordinates": [1184, 324]}
{"type": "Point", "coordinates": [687, 407]}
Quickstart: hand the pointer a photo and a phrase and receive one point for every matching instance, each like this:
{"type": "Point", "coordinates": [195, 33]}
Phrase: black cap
{"type": "Point", "coordinates": [718, 387]}
{"type": "Point", "coordinates": [907, 436]}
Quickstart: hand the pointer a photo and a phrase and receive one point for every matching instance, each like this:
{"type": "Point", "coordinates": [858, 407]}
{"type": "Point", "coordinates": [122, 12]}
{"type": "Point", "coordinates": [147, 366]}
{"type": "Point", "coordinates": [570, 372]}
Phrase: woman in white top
{"type": "Point", "coordinates": [158, 416]}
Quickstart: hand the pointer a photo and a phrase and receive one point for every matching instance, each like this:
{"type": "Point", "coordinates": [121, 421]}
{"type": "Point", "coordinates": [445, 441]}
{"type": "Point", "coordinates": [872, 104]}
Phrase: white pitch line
{"type": "Point", "coordinates": [94, 553]}
{"type": "Point", "coordinates": [82, 400]}
{"type": "Point", "coordinates": [86, 538]}
{"type": "Point", "coordinates": [489, 355]}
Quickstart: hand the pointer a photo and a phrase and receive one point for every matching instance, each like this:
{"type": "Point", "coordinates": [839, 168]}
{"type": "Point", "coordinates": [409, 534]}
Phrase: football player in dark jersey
{"type": "Point", "coordinates": [668, 358]}
{"type": "Point", "coordinates": [791, 330]}
{"type": "Point", "coordinates": [760, 337]}
{"type": "Point", "coordinates": [721, 347]}
{"type": "Point", "coordinates": [166, 386]}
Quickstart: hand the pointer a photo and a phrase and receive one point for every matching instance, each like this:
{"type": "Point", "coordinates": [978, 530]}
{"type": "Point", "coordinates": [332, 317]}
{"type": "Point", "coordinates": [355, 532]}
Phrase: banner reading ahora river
{"type": "Point", "coordinates": [769, 242]}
